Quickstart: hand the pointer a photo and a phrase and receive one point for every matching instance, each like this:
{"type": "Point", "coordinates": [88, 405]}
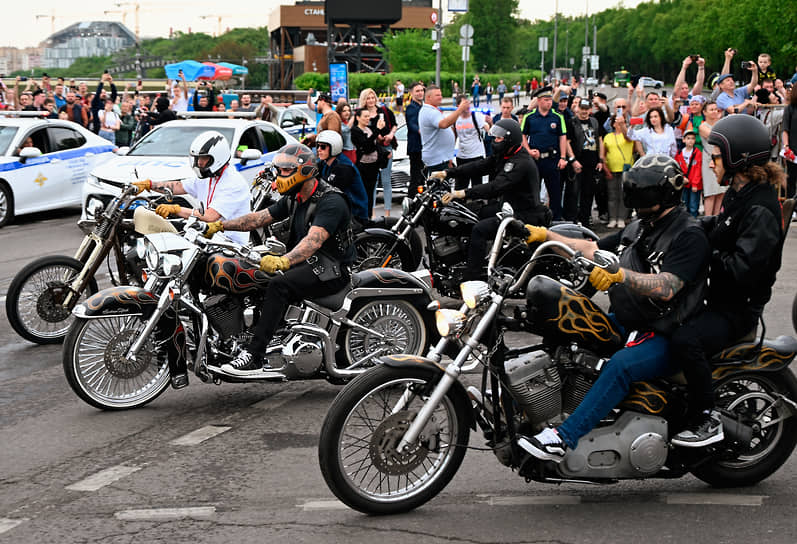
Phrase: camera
{"type": "Point", "coordinates": [747, 65]}
{"type": "Point", "coordinates": [105, 71]}
{"type": "Point", "coordinates": [733, 50]}
{"type": "Point", "coordinates": [694, 57]}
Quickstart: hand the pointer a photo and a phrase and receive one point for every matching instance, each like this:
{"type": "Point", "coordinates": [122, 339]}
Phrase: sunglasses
{"type": "Point", "coordinates": [716, 157]}
{"type": "Point", "coordinates": [323, 146]}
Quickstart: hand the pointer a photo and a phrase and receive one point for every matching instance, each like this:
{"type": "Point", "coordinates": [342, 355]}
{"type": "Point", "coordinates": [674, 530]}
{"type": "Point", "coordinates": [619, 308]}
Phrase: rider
{"type": "Point", "coordinates": [664, 258]}
{"type": "Point", "coordinates": [514, 179]}
{"type": "Point", "coordinates": [225, 194]}
{"type": "Point", "coordinates": [317, 264]}
{"type": "Point", "coordinates": [336, 169]}
{"type": "Point", "coordinates": [746, 242]}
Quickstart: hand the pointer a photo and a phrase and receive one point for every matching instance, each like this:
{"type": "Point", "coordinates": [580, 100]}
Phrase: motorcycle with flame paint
{"type": "Point", "coordinates": [200, 304]}
{"type": "Point", "coordinates": [395, 436]}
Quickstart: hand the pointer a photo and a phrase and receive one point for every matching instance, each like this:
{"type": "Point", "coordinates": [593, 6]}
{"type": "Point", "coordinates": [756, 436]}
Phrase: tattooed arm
{"type": "Point", "coordinates": [662, 286]}
{"type": "Point", "coordinates": [248, 222]}
{"type": "Point", "coordinates": [308, 245]}
{"type": "Point", "coordinates": [176, 187]}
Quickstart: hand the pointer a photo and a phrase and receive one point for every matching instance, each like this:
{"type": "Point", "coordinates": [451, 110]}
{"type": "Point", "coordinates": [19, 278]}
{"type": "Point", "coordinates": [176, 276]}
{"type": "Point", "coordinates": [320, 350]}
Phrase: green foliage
{"type": "Point", "coordinates": [494, 33]}
{"type": "Point", "coordinates": [411, 50]}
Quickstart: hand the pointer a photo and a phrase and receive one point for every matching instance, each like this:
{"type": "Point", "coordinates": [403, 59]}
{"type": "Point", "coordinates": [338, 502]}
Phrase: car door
{"type": "Point", "coordinates": [273, 141]}
{"type": "Point", "coordinates": [250, 139]}
{"type": "Point", "coordinates": [37, 183]}
{"type": "Point", "coordinates": [73, 160]}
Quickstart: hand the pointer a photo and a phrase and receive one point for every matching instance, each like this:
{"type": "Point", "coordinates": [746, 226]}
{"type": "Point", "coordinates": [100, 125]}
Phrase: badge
{"type": "Point", "coordinates": [553, 126]}
{"type": "Point", "coordinates": [509, 166]}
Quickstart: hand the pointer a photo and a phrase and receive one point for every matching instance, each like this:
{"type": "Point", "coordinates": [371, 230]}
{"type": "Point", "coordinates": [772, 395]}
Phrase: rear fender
{"type": "Point", "coordinates": [388, 279]}
{"type": "Point", "coordinates": [775, 355]}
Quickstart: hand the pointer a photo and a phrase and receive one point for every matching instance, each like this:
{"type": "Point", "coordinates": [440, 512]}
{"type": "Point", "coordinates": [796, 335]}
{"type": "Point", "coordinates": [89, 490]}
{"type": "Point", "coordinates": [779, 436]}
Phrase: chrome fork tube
{"type": "Point", "coordinates": [95, 254]}
{"type": "Point", "coordinates": [163, 304]}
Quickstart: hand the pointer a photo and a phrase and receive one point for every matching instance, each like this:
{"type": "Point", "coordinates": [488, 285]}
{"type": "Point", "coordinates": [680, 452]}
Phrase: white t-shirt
{"type": "Point", "coordinates": [180, 105]}
{"type": "Point", "coordinates": [228, 195]}
{"type": "Point", "coordinates": [438, 143]}
{"type": "Point", "coordinates": [108, 119]}
{"type": "Point", "coordinates": [469, 145]}
{"type": "Point", "coordinates": [400, 89]}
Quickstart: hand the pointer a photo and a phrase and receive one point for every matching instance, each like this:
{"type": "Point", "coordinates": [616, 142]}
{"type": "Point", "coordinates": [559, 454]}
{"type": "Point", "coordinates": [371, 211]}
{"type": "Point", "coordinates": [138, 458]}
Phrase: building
{"type": "Point", "coordinates": [299, 39]}
{"type": "Point", "coordinates": [13, 59]}
{"type": "Point", "coordinates": [87, 39]}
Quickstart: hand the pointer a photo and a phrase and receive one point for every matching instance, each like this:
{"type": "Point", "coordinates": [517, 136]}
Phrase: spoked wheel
{"type": "Point", "coordinates": [394, 326]}
{"type": "Point", "coordinates": [34, 303]}
{"type": "Point", "coordinates": [358, 450]}
{"type": "Point", "coordinates": [755, 398]}
{"type": "Point", "coordinates": [794, 313]}
{"type": "Point", "coordinates": [375, 253]}
{"type": "Point", "coordinates": [97, 369]}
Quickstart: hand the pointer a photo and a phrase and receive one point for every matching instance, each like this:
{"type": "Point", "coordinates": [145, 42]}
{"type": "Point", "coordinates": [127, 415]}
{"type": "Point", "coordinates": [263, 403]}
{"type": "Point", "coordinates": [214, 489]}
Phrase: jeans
{"type": "Point", "coordinates": [387, 188]}
{"type": "Point", "coordinates": [108, 135]}
{"type": "Point", "coordinates": [691, 200]}
{"type": "Point", "coordinates": [647, 360]}
{"type": "Point", "coordinates": [614, 188]}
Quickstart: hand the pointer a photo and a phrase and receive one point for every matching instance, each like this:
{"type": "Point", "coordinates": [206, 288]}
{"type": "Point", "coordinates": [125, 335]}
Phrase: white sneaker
{"type": "Point", "coordinates": [706, 430]}
{"type": "Point", "coordinates": [620, 224]}
{"type": "Point", "coordinates": [546, 445]}
{"type": "Point", "coordinates": [612, 224]}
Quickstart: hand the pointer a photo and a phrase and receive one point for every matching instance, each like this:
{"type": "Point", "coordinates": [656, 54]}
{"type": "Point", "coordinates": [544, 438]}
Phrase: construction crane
{"type": "Point", "coordinates": [218, 18]}
{"type": "Point", "coordinates": [52, 16]}
{"type": "Point", "coordinates": [137, 8]}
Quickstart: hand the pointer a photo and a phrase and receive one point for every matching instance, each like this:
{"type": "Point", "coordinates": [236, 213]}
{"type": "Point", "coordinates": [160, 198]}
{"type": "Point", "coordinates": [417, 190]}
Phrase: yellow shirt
{"type": "Point", "coordinates": [619, 151]}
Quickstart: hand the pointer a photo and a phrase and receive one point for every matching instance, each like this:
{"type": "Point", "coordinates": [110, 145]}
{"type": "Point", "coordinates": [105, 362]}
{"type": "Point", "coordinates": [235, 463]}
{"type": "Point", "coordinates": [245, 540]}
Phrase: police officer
{"type": "Point", "coordinates": [544, 137]}
{"type": "Point", "coordinates": [321, 239]}
{"type": "Point", "coordinates": [514, 178]}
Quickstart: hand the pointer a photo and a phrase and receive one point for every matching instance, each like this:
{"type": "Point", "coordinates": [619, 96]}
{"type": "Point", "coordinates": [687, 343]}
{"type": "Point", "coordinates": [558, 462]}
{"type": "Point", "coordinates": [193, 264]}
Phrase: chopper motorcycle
{"type": "Point", "coordinates": [447, 229]}
{"type": "Point", "coordinates": [395, 436]}
{"type": "Point", "coordinates": [199, 306]}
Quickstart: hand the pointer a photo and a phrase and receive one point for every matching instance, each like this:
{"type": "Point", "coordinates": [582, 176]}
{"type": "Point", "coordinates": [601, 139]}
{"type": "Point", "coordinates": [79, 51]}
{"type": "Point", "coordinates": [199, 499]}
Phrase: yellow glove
{"type": "Point", "coordinates": [441, 174]}
{"type": "Point", "coordinates": [271, 263]}
{"type": "Point", "coordinates": [213, 228]}
{"type": "Point", "coordinates": [144, 185]}
{"type": "Point", "coordinates": [448, 197]}
{"type": "Point", "coordinates": [536, 234]}
{"type": "Point", "coordinates": [601, 279]}
{"type": "Point", "coordinates": [165, 210]}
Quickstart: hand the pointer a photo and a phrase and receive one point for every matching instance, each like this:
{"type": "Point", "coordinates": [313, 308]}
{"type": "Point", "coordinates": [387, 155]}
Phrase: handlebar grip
{"type": "Point", "coordinates": [517, 228]}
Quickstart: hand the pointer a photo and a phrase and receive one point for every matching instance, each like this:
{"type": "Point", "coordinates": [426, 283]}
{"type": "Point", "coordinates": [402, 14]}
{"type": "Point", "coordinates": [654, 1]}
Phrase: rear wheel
{"type": "Point", "coordinates": [34, 302]}
{"type": "Point", "coordinates": [794, 313]}
{"type": "Point", "coordinates": [358, 451]}
{"type": "Point", "coordinates": [754, 398]}
{"type": "Point", "coordinates": [376, 251]}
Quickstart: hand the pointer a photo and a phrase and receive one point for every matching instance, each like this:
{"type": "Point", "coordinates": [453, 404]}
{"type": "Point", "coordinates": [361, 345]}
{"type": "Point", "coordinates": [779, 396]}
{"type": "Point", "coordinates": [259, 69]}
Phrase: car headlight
{"type": "Point", "coordinates": [474, 293]}
{"type": "Point", "coordinates": [94, 180]}
{"type": "Point", "coordinates": [405, 206]}
{"type": "Point", "coordinates": [449, 321]}
{"type": "Point", "coordinates": [152, 256]}
{"type": "Point", "coordinates": [170, 264]}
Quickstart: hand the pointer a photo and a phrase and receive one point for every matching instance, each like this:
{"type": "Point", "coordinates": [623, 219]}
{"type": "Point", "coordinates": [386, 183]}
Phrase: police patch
{"type": "Point", "coordinates": [509, 166]}
{"type": "Point", "coordinates": [553, 126]}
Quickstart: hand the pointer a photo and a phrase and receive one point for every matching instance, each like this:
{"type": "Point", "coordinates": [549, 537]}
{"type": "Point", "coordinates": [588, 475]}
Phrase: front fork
{"type": "Point", "coordinates": [90, 266]}
{"type": "Point", "coordinates": [171, 293]}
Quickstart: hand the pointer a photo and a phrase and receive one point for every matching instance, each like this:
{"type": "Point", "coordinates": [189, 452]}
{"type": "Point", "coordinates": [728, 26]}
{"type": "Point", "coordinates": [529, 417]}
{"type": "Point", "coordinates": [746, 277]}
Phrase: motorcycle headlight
{"type": "Point", "coordinates": [405, 206]}
{"type": "Point", "coordinates": [171, 264]}
{"type": "Point", "coordinates": [141, 248]}
{"type": "Point", "coordinates": [474, 293]}
{"type": "Point", "coordinates": [152, 257]}
{"type": "Point", "coordinates": [449, 321]}
{"type": "Point", "coordinates": [94, 208]}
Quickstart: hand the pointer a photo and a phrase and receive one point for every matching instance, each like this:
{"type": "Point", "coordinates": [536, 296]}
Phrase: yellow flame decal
{"type": "Point", "coordinates": [647, 397]}
{"type": "Point", "coordinates": [579, 315]}
{"type": "Point", "coordinates": [766, 359]}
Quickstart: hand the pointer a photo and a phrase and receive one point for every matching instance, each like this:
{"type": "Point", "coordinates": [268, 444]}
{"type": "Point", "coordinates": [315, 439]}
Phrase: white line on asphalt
{"type": "Point", "coordinates": [543, 499]}
{"type": "Point", "coordinates": [2, 299]}
{"type": "Point", "coordinates": [322, 505]}
{"type": "Point", "coordinates": [200, 435]}
{"type": "Point", "coordinates": [163, 514]}
{"type": "Point", "coordinates": [8, 524]}
{"type": "Point", "coordinates": [103, 478]}
{"type": "Point", "coordinates": [277, 400]}
{"type": "Point", "coordinates": [725, 499]}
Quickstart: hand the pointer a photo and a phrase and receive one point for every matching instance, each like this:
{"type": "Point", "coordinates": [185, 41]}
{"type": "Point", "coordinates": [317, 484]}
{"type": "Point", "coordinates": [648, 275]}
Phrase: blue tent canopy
{"type": "Point", "coordinates": [237, 69]}
{"type": "Point", "coordinates": [192, 70]}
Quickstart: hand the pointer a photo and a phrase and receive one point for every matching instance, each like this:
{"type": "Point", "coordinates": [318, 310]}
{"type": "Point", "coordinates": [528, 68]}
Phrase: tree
{"type": "Point", "coordinates": [494, 33]}
{"type": "Point", "coordinates": [411, 51]}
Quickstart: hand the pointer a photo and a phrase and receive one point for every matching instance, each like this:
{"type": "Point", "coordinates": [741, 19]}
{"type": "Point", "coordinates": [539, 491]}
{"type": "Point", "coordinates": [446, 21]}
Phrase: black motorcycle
{"type": "Point", "coordinates": [447, 230]}
{"type": "Point", "coordinates": [395, 436]}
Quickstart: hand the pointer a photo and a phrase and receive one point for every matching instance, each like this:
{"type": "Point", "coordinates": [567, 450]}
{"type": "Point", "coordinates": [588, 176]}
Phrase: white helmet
{"type": "Point", "coordinates": [333, 139]}
{"type": "Point", "coordinates": [209, 144]}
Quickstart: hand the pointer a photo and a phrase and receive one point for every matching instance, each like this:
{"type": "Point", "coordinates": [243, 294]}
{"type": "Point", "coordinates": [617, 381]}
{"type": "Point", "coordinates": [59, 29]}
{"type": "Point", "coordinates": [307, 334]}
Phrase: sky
{"type": "Point", "coordinates": [21, 27]}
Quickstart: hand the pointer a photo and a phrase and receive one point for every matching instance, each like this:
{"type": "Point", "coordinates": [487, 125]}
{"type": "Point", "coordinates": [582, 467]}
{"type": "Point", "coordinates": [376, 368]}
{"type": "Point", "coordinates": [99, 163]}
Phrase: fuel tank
{"type": "Point", "coordinates": [231, 275]}
{"type": "Point", "coordinates": [561, 315]}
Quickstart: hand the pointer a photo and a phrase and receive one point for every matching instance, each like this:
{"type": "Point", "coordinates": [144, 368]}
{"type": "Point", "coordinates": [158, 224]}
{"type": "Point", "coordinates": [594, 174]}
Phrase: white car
{"type": "Point", "coordinates": [162, 155]}
{"type": "Point", "coordinates": [591, 82]}
{"type": "Point", "coordinates": [297, 120]}
{"type": "Point", "coordinates": [50, 171]}
{"type": "Point", "coordinates": [650, 82]}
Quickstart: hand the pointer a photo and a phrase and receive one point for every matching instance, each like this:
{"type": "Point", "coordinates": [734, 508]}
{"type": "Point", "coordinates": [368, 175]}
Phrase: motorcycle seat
{"type": "Point", "coordinates": [335, 300]}
{"type": "Point", "coordinates": [783, 346]}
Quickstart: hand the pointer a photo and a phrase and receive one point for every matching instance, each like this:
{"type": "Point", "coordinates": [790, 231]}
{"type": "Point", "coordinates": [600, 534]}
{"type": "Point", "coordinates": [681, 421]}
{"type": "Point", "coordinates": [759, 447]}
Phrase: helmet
{"type": "Point", "coordinates": [209, 144]}
{"type": "Point", "coordinates": [654, 179]}
{"type": "Point", "coordinates": [742, 141]}
{"type": "Point", "coordinates": [300, 161]}
{"type": "Point", "coordinates": [509, 130]}
{"type": "Point", "coordinates": [332, 138]}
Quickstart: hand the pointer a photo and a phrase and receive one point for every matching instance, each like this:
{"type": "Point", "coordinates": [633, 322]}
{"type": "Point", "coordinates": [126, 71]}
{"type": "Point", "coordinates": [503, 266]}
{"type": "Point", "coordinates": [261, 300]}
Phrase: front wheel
{"type": "Point", "coordinates": [34, 302]}
{"type": "Point", "coordinates": [794, 313]}
{"type": "Point", "coordinates": [358, 444]}
{"type": "Point", "coordinates": [754, 397]}
{"type": "Point", "coordinates": [98, 370]}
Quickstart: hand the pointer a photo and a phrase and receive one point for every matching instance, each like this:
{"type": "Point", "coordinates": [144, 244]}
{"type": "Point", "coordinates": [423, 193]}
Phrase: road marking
{"type": "Point", "coordinates": [277, 400]}
{"type": "Point", "coordinates": [200, 435]}
{"type": "Point", "coordinates": [2, 299]}
{"type": "Point", "coordinates": [538, 500]}
{"type": "Point", "coordinates": [8, 524]}
{"type": "Point", "coordinates": [322, 505]}
{"type": "Point", "coordinates": [103, 478]}
{"type": "Point", "coordinates": [164, 514]}
{"type": "Point", "coordinates": [725, 499]}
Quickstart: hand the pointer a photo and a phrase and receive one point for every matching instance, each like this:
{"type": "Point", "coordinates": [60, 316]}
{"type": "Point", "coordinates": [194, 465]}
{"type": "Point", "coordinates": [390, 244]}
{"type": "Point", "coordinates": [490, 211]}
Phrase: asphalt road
{"type": "Point", "coordinates": [238, 463]}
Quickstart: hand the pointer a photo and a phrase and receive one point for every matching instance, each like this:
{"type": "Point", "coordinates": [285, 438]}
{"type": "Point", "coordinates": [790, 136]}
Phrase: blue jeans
{"type": "Point", "coordinates": [645, 361]}
{"type": "Point", "coordinates": [387, 188]}
{"type": "Point", "coordinates": [691, 200]}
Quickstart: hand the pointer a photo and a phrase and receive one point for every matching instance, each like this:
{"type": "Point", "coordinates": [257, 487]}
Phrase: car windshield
{"type": "Point", "coordinates": [6, 136]}
{"type": "Point", "coordinates": [174, 140]}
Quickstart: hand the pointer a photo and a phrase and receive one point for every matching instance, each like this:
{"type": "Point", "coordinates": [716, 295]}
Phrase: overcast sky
{"type": "Point", "coordinates": [21, 28]}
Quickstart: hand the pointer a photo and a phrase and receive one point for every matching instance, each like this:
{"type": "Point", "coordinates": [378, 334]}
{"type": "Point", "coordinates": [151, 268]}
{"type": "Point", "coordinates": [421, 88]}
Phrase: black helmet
{"type": "Point", "coordinates": [654, 179]}
{"type": "Point", "coordinates": [509, 130]}
{"type": "Point", "coordinates": [742, 141]}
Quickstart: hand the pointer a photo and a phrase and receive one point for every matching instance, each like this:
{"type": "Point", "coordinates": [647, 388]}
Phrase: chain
{"type": "Point", "coordinates": [498, 341]}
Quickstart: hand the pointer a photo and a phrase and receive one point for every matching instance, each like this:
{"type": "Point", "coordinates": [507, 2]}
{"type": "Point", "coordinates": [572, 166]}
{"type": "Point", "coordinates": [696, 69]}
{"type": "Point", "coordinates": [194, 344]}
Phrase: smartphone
{"type": "Point", "coordinates": [23, 78]}
{"type": "Point", "coordinates": [694, 57]}
{"type": "Point", "coordinates": [636, 121]}
{"type": "Point", "coordinates": [105, 71]}
{"type": "Point", "coordinates": [664, 93]}
{"type": "Point", "coordinates": [382, 116]}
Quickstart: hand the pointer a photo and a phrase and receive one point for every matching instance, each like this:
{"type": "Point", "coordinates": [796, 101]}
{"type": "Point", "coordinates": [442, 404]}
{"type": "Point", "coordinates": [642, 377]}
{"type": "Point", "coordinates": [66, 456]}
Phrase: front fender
{"type": "Point", "coordinates": [123, 300]}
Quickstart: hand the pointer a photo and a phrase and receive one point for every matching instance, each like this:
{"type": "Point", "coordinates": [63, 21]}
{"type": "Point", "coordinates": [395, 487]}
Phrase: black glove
{"type": "Point", "coordinates": [517, 229]}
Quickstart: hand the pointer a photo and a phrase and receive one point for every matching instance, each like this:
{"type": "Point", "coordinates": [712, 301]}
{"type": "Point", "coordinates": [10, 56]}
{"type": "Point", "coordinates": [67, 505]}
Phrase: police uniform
{"type": "Point", "coordinates": [543, 133]}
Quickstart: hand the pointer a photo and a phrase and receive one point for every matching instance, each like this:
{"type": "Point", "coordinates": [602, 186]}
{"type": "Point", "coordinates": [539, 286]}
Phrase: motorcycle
{"type": "Point", "coordinates": [200, 304]}
{"type": "Point", "coordinates": [447, 229]}
{"type": "Point", "coordinates": [395, 436]}
{"type": "Point", "coordinates": [44, 292]}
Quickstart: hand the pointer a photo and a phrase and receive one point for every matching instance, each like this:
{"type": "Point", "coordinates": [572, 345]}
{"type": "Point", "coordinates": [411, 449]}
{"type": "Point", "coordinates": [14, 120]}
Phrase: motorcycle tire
{"type": "Point", "coordinates": [401, 323]}
{"type": "Point", "coordinates": [372, 252]}
{"type": "Point", "coordinates": [356, 450]}
{"type": "Point", "coordinates": [748, 395]}
{"type": "Point", "coordinates": [794, 313]}
{"type": "Point", "coordinates": [99, 374]}
{"type": "Point", "coordinates": [32, 301]}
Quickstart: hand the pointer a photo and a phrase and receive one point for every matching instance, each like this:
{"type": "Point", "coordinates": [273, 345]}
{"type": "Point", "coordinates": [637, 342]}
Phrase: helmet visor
{"type": "Point", "coordinates": [499, 132]}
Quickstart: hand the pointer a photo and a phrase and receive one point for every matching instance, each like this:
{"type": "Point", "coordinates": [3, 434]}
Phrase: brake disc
{"type": "Point", "coordinates": [385, 440]}
{"type": "Point", "coordinates": [116, 362]}
{"type": "Point", "coordinates": [49, 304]}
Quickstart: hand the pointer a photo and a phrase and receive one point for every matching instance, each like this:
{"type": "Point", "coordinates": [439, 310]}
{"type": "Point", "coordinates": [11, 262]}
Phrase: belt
{"type": "Point", "coordinates": [548, 154]}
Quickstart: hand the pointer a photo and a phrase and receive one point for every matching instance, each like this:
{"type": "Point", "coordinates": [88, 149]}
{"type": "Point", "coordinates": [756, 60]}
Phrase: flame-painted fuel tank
{"type": "Point", "coordinates": [231, 275]}
{"type": "Point", "coordinates": [562, 315]}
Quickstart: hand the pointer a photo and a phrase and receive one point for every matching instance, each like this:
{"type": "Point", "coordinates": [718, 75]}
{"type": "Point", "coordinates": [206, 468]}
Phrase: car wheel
{"type": "Point", "coordinates": [6, 205]}
{"type": "Point", "coordinates": [658, 86]}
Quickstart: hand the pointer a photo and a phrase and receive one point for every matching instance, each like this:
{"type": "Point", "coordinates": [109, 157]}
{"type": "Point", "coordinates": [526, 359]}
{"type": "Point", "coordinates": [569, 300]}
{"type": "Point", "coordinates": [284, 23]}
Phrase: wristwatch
{"type": "Point", "coordinates": [571, 158]}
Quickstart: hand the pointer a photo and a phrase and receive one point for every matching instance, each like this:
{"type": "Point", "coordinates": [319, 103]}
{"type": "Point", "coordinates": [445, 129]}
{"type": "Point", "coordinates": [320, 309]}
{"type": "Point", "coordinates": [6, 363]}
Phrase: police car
{"type": "Point", "coordinates": [162, 155]}
{"type": "Point", "coordinates": [44, 162]}
{"type": "Point", "coordinates": [296, 120]}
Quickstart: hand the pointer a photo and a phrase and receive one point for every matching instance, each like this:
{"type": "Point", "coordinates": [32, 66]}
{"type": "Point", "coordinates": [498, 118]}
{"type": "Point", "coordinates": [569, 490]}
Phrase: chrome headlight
{"type": "Point", "coordinates": [171, 264]}
{"type": "Point", "coordinates": [449, 321]}
{"type": "Point", "coordinates": [94, 208]}
{"type": "Point", "coordinates": [141, 248]}
{"type": "Point", "coordinates": [474, 293]}
{"type": "Point", "coordinates": [405, 206]}
{"type": "Point", "coordinates": [152, 256]}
